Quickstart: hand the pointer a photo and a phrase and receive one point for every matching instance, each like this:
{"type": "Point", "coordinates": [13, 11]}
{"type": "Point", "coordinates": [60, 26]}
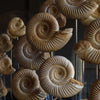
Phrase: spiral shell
{"type": "Point", "coordinates": [87, 52]}
{"type": "Point", "coordinates": [25, 86]}
{"type": "Point", "coordinates": [6, 65]}
{"type": "Point", "coordinates": [3, 89]}
{"type": "Point", "coordinates": [95, 91]}
{"type": "Point", "coordinates": [5, 43]}
{"type": "Point", "coordinates": [77, 8]}
{"type": "Point", "coordinates": [56, 75]}
{"type": "Point", "coordinates": [28, 56]}
{"type": "Point", "coordinates": [49, 6]}
{"type": "Point", "coordinates": [92, 34]}
{"type": "Point", "coordinates": [16, 27]}
{"type": "Point", "coordinates": [43, 33]}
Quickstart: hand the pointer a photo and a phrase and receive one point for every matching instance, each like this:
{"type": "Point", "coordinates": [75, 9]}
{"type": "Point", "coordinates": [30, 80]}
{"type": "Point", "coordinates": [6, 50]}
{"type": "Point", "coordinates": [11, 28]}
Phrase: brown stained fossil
{"type": "Point", "coordinates": [5, 44]}
{"type": "Point", "coordinates": [77, 8]}
{"type": "Point", "coordinates": [25, 86]}
{"type": "Point", "coordinates": [27, 55]}
{"type": "Point", "coordinates": [87, 52]}
{"type": "Point", "coordinates": [49, 6]}
{"type": "Point", "coordinates": [6, 65]}
{"type": "Point", "coordinates": [43, 33]}
{"type": "Point", "coordinates": [95, 15]}
{"type": "Point", "coordinates": [16, 28]}
{"type": "Point", "coordinates": [89, 48]}
{"type": "Point", "coordinates": [95, 91]}
{"type": "Point", "coordinates": [3, 89]}
{"type": "Point", "coordinates": [92, 34]}
{"type": "Point", "coordinates": [56, 77]}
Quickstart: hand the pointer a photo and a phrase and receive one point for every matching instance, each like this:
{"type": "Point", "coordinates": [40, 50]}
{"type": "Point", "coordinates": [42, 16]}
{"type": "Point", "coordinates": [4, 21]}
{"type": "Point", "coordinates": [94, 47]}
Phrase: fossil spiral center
{"type": "Point", "coordinates": [97, 37]}
{"type": "Point", "coordinates": [43, 29]}
{"type": "Point", "coordinates": [27, 51]}
{"type": "Point", "coordinates": [52, 9]}
{"type": "Point", "coordinates": [75, 2]}
{"type": "Point", "coordinates": [58, 74]}
{"type": "Point", "coordinates": [27, 84]}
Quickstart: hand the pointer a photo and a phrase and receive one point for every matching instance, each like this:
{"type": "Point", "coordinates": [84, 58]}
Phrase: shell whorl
{"type": "Point", "coordinates": [6, 65]}
{"type": "Point", "coordinates": [16, 27]}
{"type": "Point", "coordinates": [49, 6]}
{"type": "Point", "coordinates": [95, 91]}
{"type": "Point", "coordinates": [43, 33]}
{"type": "Point", "coordinates": [92, 34]}
{"type": "Point", "coordinates": [25, 84]}
{"type": "Point", "coordinates": [77, 8]}
{"type": "Point", "coordinates": [3, 89]}
{"type": "Point", "coordinates": [87, 52]}
{"type": "Point", "coordinates": [55, 74]}
{"type": "Point", "coordinates": [28, 56]}
{"type": "Point", "coordinates": [5, 43]}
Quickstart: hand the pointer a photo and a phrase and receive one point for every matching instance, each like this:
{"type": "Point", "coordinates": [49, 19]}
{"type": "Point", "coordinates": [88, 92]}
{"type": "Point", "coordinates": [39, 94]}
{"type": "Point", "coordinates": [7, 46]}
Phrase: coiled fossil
{"type": "Point", "coordinates": [43, 33]}
{"type": "Point", "coordinates": [25, 86]}
{"type": "Point", "coordinates": [56, 77]}
{"type": "Point", "coordinates": [49, 6]}
{"type": "Point", "coordinates": [16, 28]}
{"type": "Point", "coordinates": [27, 55]}
{"type": "Point", "coordinates": [6, 65]}
{"type": "Point", "coordinates": [77, 8]}
{"type": "Point", "coordinates": [5, 44]}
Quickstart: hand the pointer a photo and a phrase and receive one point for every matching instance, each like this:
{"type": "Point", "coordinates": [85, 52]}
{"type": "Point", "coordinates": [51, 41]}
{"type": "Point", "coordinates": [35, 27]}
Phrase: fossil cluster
{"type": "Point", "coordinates": [38, 73]}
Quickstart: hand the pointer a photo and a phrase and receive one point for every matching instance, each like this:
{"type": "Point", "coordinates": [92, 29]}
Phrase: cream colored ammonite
{"type": "Point", "coordinates": [27, 55]}
{"type": "Point", "coordinates": [25, 85]}
{"type": "Point", "coordinates": [3, 89]}
{"type": "Point", "coordinates": [43, 33]}
{"type": "Point", "coordinates": [95, 91]}
{"type": "Point", "coordinates": [87, 52]}
{"type": "Point", "coordinates": [49, 6]}
{"type": "Point", "coordinates": [92, 34]}
{"type": "Point", "coordinates": [77, 8]}
{"type": "Point", "coordinates": [5, 44]}
{"type": "Point", "coordinates": [16, 28]}
{"type": "Point", "coordinates": [56, 75]}
{"type": "Point", "coordinates": [6, 65]}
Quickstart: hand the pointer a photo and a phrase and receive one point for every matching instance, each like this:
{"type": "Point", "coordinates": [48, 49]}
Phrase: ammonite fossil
{"type": "Point", "coordinates": [49, 6]}
{"type": "Point", "coordinates": [77, 8]}
{"type": "Point", "coordinates": [92, 34]}
{"type": "Point", "coordinates": [25, 86]}
{"type": "Point", "coordinates": [27, 55]}
{"type": "Point", "coordinates": [3, 89]}
{"type": "Point", "coordinates": [87, 52]}
{"type": "Point", "coordinates": [43, 33]}
{"type": "Point", "coordinates": [16, 28]}
{"type": "Point", "coordinates": [5, 43]}
{"type": "Point", "coordinates": [95, 91]}
{"type": "Point", "coordinates": [95, 15]}
{"type": "Point", "coordinates": [56, 75]}
{"type": "Point", "coordinates": [6, 65]}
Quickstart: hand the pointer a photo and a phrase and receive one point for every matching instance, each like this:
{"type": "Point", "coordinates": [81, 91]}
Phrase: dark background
{"type": "Point", "coordinates": [26, 9]}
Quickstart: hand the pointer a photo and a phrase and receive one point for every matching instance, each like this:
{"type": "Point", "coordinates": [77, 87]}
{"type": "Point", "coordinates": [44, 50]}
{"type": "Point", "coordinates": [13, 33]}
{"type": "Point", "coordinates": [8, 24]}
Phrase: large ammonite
{"type": "Point", "coordinates": [92, 34]}
{"type": "Point", "coordinates": [5, 43]}
{"type": "Point", "coordinates": [16, 28]}
{"type": "Point", "coordinates": [6, 65]}
{"type": "Point", "coordinates": [87, 52]}
{"type": "Point", "coordinates": [3, 89]}
{"type": "Point", "coordinates": [77, 8]}
{"type": "Point", "coordinates": [43, 33]}
{"type": "Point", "coordinates": [49, 6]}
{"type": "Point", "coordinates": [95, 91]}
{"type": "Point", "coordinates": [56, 75]}
{"type": "Point", "coordinates": [25, 86]}
{"type": "Point", "coordinates": [27, 55]}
